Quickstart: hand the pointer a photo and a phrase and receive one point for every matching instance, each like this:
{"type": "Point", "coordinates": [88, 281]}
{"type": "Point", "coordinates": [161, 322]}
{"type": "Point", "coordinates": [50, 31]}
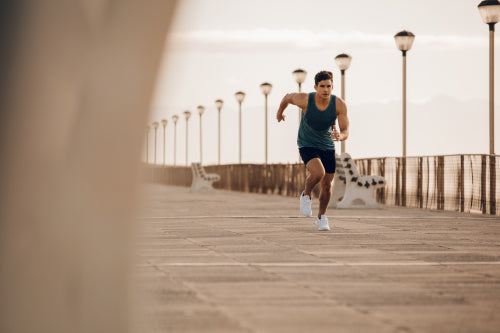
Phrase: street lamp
{"type": "Point", "coordinates": [175, 118]}
{"type": "Point", "coordinates": [490, 13]}
{"type": "Point", "coordinates": [147, 144]}
{"type": "Point", "coordinates": [164, 123]}
{"type": "Point", "coordinates": [300, 76]}
{"type": "Point", "coordinates": [155, 126]}
{"type": "Point", "coordinates": [266, 89]}
{"type": "Point", "coordinates": [240, 97]}
{"type": "Point", "coordinates": [404, 41]}
{"type": "Point", "coordinates": [201, 109]}
{"type": "Point", "coordinates": [187, 114]}
{"type": "Point", "coordinates": [343, 61]}
{"type": "Point", "coordinates": [218, 105]}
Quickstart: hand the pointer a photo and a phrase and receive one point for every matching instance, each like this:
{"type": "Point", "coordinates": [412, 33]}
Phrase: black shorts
{"type": "Point", "coordinates": [327, 157]}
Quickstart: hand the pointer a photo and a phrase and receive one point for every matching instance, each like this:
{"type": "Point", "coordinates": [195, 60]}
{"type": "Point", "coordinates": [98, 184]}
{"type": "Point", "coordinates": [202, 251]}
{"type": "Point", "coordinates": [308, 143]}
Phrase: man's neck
{"type": "Point", "coordinates": [322, 100]}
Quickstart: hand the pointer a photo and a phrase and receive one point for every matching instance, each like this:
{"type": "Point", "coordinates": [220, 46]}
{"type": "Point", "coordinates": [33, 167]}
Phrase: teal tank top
{"type": "Point", "coordinates": [316, 126]}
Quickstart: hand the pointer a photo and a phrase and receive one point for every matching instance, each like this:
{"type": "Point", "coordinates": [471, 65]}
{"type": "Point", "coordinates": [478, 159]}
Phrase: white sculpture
{"type": "Point", "coordinates": [359, 189]}
{"type": "Point", "coordinates": [202, 182]}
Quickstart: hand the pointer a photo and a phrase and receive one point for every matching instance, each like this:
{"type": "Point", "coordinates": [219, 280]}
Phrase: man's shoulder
{"type": "Point", "coordinates": [340, 105]}
{"type": "Point", "coordinates": [338, 100]}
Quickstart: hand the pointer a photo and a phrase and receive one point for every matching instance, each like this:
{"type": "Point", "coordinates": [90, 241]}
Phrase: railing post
{"type": "Point", "coordinates": [440, 183]}
{"type": "Point", "coordinates": [483, 184]}
{"type": "Point", "coordinates": [382, 173]}
{"type": "Point", "coordinates": [420, 176]}
{"type": "Point", "coordinates": [493, 180]}
{"type": "Point", "coordinates": [397, 198]}
{"type": "Point", "coordinates": [462, 184]}
{"type": "Point", "coordinates": [403, 183]}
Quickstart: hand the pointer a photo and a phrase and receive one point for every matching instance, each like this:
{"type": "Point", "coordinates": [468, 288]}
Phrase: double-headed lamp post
{"type": "Point", "coordinates": [187, 114]}
{"type": "Point", "coordinates": [175, 118]}
{"type": "Point", "coordinates": [404, 41]}
{"type": "Point", "coordinates": [240, 97]}
{"type": "Point", "coordinates": [266, 89]}
{"type": "Point", "coordinates": [155, 126]}
{"type": "Point", "coordinates": [201, 109]}
{"type": "Point", "coordinates": [218, 105]}
{"type": "Point", "coordinates": [490, 13]}
{"type": "Point", "coordinates": [164, 123]}
{"type": "Point", "coordinates": [343, 61]}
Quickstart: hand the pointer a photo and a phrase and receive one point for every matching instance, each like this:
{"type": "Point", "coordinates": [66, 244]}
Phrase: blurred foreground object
{"type": "Point", "coordinates": [76, 83]}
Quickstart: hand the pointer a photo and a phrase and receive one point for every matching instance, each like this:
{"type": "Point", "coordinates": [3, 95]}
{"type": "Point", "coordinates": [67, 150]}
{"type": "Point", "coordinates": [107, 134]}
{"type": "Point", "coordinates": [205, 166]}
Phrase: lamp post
{"type": "Point", "coordinates": [187, 114]}
{"type": "Point", "coordinates": [266, 89]}
{"type": "Point", "coordinates": [490, 13]}
{"type": "Point", "coordinates": [175, 118]}
{"type": "Point", "coordinates": [218, 105]}
{"type": "Point", "coordinates": [164, 123]}
{"type": "Point", "coordinates": [300, 76]}
{"type": "Point", "coordinates": [404, 41]}
{"type": "Point", "coordinates": [343, 61]}
{"type": "Point", "coordinates": [201, 109]}
{"type": "Point", "coordinates": [240, 97]}
{"type": "Point", "coordinates": [147, 144]}
{"type": "Point", "coordinates": [155, 126]}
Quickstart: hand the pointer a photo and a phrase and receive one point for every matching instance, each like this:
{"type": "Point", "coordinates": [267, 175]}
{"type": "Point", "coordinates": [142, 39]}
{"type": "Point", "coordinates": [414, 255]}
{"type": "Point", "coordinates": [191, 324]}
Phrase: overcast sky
{"type": "Point", "coordinates": [218, 47]}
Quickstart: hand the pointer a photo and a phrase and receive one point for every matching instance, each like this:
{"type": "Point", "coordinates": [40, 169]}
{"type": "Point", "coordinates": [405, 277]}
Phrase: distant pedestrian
{"type": "Point", "coordinates": [317, 132]}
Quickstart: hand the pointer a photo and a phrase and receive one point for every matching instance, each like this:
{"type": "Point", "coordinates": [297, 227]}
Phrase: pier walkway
{"type": "Point", "coordinates": [242, 262]}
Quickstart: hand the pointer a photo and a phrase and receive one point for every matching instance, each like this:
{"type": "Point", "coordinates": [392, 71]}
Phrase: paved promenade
{"type": "Point", "coordinates": [240, 262]}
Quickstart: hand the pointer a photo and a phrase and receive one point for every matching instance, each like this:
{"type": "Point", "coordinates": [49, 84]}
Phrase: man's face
{"type": "Point", "coordinates": [324, 88]}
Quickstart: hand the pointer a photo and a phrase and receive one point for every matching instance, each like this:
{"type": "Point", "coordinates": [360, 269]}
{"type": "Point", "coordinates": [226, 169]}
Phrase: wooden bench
{"type": "Point", "coordinates": [358, 190]}
{"type": "Point", "coordinates": [202, 182]}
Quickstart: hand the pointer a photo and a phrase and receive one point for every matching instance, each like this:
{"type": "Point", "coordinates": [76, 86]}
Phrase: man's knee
{"type": "Point", "coordinates": [326, 183]}
{"type": "Point", "coordinates": [326, 186]}
{"type": "Point", "coordinates": [317, 175]}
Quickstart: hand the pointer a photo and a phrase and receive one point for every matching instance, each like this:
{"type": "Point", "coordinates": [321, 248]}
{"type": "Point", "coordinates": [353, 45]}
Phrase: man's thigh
{"type": "Point", "coordinates": [315, 167]}
{"type": "Point", "coordinates": [328, 160]}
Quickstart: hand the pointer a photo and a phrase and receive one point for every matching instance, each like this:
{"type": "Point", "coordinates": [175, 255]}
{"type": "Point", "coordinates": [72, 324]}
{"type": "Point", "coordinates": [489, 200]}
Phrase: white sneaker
{"type": "Point", "coordinates": [305, 204]}
{"type": "Point", "coordinates": [322, 223]}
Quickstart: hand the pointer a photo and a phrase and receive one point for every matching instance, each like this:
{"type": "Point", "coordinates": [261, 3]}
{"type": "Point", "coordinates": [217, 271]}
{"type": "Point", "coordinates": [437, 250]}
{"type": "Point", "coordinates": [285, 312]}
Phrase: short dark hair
{"type": "Point", "coordinates": [323, 75]}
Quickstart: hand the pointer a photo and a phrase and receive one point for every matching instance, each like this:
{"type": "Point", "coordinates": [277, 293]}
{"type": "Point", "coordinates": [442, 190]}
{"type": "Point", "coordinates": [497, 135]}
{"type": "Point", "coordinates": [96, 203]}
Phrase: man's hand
{"type": "Point", "coordinates": [280, 116]}
{"type": "Point", "coordinates": [335, 134]}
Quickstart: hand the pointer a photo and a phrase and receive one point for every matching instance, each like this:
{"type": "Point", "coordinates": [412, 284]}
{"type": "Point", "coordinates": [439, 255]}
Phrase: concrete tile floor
{"type": "Point", "coordinates": [241, 262]}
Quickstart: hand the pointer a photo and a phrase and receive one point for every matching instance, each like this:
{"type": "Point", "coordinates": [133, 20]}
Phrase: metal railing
{"type": "Point", "coordinates": [465, 183]}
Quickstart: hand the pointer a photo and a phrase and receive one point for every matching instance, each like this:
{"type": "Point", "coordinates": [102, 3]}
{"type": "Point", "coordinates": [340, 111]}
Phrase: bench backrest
{"type": "Point", "coordinates": [352, 174]}
{"type": "Point", "coordinates": [198, 170]}
{"type": "Point", "coordinates": [339, 168]}
{"type": "Point", "coordinates": [350, 169]}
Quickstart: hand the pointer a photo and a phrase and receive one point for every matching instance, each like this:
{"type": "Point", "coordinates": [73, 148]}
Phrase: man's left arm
{"type": "Point", "coordinates": [342, 118]}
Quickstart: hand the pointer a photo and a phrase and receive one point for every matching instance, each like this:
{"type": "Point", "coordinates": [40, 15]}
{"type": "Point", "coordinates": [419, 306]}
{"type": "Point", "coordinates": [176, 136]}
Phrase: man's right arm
{"type": "Point", "coordinates": [298, 99]}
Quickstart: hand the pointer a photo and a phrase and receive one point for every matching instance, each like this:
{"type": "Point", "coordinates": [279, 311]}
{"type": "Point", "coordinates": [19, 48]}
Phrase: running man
{"type": "Point", "coordinates": [317, 132]}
